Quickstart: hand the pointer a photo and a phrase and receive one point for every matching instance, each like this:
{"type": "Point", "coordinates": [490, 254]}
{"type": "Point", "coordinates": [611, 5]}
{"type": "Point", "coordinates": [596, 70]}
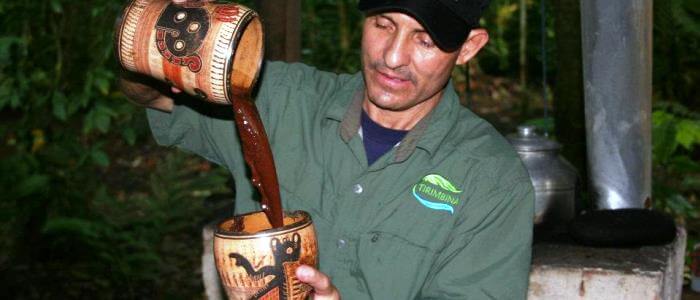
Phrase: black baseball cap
{"type": "Point", "coordinates": [447, 21]}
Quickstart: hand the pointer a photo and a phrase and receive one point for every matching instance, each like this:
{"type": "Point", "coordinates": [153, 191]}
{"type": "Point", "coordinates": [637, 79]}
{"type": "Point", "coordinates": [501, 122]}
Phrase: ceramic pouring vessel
{"type": "Point", "coordinates": [210, 50]}
{"type": "Point", "coordinates": [256, 261]}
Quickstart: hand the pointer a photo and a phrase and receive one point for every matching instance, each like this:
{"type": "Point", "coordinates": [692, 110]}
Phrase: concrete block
{"type": "Point", "coordinates": [569, 271]}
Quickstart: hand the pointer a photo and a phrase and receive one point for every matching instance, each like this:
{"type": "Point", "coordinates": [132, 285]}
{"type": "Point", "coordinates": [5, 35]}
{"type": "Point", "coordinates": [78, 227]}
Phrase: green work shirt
{"type": "Point", "coordinates": [445, 214]}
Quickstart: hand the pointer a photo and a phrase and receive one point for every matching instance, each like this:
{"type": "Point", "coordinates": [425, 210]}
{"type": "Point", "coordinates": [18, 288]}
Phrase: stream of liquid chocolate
{"type": "Point", "coordinates": [258, 156]}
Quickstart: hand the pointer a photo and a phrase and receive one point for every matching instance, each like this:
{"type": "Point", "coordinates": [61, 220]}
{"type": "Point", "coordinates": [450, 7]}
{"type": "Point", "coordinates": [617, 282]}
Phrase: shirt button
{"type": "Point", "coordinates": [341, 243]}
{"type": "Point", "coordinates": [357, 189]}
{"type": "Point", "coordinates": [375, 238]}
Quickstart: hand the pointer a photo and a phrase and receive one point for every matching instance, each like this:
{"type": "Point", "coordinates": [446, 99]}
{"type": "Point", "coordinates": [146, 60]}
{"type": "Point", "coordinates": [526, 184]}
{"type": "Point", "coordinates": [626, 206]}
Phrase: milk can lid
{"type": "Point", "coordinates": [527, 140]}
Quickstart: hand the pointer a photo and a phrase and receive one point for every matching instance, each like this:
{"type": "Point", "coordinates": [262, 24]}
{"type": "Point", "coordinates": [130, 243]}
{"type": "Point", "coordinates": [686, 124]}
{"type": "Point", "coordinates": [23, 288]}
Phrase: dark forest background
{"type": "Point", "coordinates": [91, 208]}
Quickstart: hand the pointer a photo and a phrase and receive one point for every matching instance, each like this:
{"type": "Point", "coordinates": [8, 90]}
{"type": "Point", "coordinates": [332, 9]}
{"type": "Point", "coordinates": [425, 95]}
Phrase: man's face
{"type": "Point", "coordinates": [402, 67]}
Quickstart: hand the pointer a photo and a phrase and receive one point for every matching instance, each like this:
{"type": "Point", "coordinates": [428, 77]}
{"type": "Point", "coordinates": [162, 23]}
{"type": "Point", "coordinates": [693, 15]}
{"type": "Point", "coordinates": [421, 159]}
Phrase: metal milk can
{"type": "Point", "coordinates": [553, 178]}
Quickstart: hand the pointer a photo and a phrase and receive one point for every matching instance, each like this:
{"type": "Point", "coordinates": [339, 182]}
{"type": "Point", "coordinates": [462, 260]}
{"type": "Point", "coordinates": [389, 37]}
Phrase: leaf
{"type": "Point", "coordinates": [683, 164]}
{"type": "Point", "coordinates": [107, 110]}
{"type": "Point", "coordinates": [659, 117]}
{"type": "Point", "coordinates": [684, 17]}
{"type": "Point", "coordinates": [664, 132]}
{"type": "Point", "coordinates": [15, 100]}
{"type": "Point", "coordinates": [58, 102]}
{"type": "Point", "coordinates": [102, 85]}
{"type": "Point", "coordinates": [87, 90]}
{"type": "Point", "coordinates": [31, 185]}
{"type": "Point", "coordinates": [95, 11]}
{"type": "Point", "coordinates": [691, 183]}
{"type": "Point", "coordinates": [6, 43]}
{"type": "Point", "coordinates": [688, 133]}
{"type": "Point", "coordinates": [88, 122]}
{"type": "Point", "coordinates": [72, 105]}
{"type": "Point", "coordinates": [5, 91]}
{"type": "Point", "coordinates": [100, 118]}
{"type": "Point", "coordinates": [39, 77]}
{"type": "Point", "coordinates": [56, 6]}
{"type": "Point", "coordinates": [102, 121]}
{"type": "Point", "coordinates": [129, 136]}
{"type": "Point", "coordinates": [680, 206]}
{"type": "Point", "coordinates": [75, 227]}
{"type": "Point", "coordinates": [104, 118]}
{"type": "Point", "coordinates": [441, 182]}
{"type": "Point", "coordinates": [99, 157]}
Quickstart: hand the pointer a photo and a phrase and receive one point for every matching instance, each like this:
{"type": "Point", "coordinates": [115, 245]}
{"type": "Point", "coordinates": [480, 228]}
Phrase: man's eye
{"type": "Point", "coordinates": [381, 24]}
{"type": "Point", "coordinates": [427, 43]}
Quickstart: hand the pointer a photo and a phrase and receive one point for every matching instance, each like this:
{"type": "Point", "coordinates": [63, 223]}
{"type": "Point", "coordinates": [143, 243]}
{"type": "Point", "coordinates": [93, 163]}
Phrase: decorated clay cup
{"type": "Point", "coordinates": [211, 50]}
{"type": "Point", "coordinates": [256, 261]}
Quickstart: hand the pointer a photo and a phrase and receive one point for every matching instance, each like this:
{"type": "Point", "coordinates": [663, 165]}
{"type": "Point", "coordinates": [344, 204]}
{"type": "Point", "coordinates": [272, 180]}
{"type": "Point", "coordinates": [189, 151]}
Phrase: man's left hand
{"type": "Point", "coordinates": [323, 287]}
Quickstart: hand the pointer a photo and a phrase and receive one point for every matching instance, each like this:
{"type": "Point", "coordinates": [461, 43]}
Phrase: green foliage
{"type": "Point", "coordinates": [331, 31]}
{"type": "Point", "coordinates": [676, 44]}
{"type": "Point", "coordinates": [80, 216]}
{"type": "Point", "coordinates": [676, 135]}
{"type": "Point", "coordinates": [124, 246]}
{"type": "Point", "coordinates": [503, 16]}
{"type": "Point", "coordinates": [500, 56]}
{"type": "Point", "coordinates": [542, 124]}
{"type": "Point", "coordinates": [676, 170]}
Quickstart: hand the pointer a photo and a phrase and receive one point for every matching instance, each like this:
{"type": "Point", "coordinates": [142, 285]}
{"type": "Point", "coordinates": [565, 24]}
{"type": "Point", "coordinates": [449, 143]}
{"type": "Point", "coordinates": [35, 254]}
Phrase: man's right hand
{"type": "Point", "coordinates": [143, 91]}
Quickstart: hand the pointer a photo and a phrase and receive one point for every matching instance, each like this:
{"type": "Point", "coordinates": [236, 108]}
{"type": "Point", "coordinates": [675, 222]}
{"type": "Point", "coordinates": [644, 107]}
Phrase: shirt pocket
{"type": "Point", "coordinates": [393, 266]}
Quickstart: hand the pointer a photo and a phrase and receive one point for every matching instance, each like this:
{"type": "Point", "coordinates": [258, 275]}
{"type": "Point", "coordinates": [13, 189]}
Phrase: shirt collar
{"type": "Point", "coordinates": [431, 131]}
{"type": "Point", "coordinates": [338, 109]}
{"type": "Point", "coordinates": [351, 120]}
{"type": "Point", "coordinates": [428, 133]}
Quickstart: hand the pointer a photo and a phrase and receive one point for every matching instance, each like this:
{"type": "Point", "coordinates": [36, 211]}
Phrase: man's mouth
{"type": "Point", "coordinates": [392, 80]}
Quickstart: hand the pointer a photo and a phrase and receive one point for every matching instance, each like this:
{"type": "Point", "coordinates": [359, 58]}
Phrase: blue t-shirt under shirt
{"type": "Point", "coordinates": [377, 139]}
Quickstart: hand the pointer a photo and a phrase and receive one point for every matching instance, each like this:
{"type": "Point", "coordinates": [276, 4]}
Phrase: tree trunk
{"type": "Point", "coordinates": [282, 21]}
{"type": "Point", "coordinates": [522, 58]}
{"type": "Point", "coordinates": [568, 102]}
{"type": "Point", "coordinates": [343, 32]}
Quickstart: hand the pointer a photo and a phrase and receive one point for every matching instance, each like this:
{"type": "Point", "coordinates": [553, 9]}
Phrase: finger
{"type": "Point", "coordinates": [175, 90]}
{"type": "Point", "coordinates": [323, 288]}
{"type": "Point", "coordinates": [183, 1]}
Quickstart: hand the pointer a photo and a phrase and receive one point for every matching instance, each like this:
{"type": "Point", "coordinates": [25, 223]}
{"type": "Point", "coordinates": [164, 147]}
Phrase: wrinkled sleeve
{"type": "Point", "coordinates": [187, 129]}
{"type": "Point", "coordinates": [489, 256]}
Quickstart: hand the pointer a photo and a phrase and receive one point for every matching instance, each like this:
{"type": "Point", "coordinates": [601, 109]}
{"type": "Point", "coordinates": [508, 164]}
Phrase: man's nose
{"type": "Point", "coordinates": [396, 53]}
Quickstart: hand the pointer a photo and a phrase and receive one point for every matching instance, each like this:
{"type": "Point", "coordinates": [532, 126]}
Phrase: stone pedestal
{"type": "Point", "coordinates": [564, 270]}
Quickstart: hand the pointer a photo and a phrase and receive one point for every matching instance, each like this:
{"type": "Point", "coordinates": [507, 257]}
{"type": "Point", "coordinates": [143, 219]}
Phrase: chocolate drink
{"type": "Point", "coordinates": [211, 50]}
{"type": "Point", "coordinates": [258, 156]}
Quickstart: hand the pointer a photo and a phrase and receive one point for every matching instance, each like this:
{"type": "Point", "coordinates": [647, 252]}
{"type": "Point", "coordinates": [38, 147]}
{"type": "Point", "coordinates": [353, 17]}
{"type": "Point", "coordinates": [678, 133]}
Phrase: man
{"type": "Point", "coordinates": [412, 195]}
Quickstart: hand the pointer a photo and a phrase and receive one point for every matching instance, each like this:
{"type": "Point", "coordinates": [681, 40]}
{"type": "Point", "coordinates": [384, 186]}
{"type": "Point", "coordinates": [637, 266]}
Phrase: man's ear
{"type": "Point", "coordinates": [476, 40]}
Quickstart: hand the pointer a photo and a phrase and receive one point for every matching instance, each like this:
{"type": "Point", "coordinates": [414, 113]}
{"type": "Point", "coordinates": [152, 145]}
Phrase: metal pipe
{"type": "Point", "coordinates": [617, 67]}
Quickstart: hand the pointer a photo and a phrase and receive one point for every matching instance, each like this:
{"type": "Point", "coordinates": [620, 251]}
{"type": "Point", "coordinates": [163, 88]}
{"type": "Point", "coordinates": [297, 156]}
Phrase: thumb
{"type": "Point", "coordinates": [183, 1]}
{"type": "Point", "coordinates": [323, 288]}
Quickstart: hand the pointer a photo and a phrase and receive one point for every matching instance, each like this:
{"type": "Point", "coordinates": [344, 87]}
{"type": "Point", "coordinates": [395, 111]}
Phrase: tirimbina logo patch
{"type": "Point", "coordinates": [435, 192]}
